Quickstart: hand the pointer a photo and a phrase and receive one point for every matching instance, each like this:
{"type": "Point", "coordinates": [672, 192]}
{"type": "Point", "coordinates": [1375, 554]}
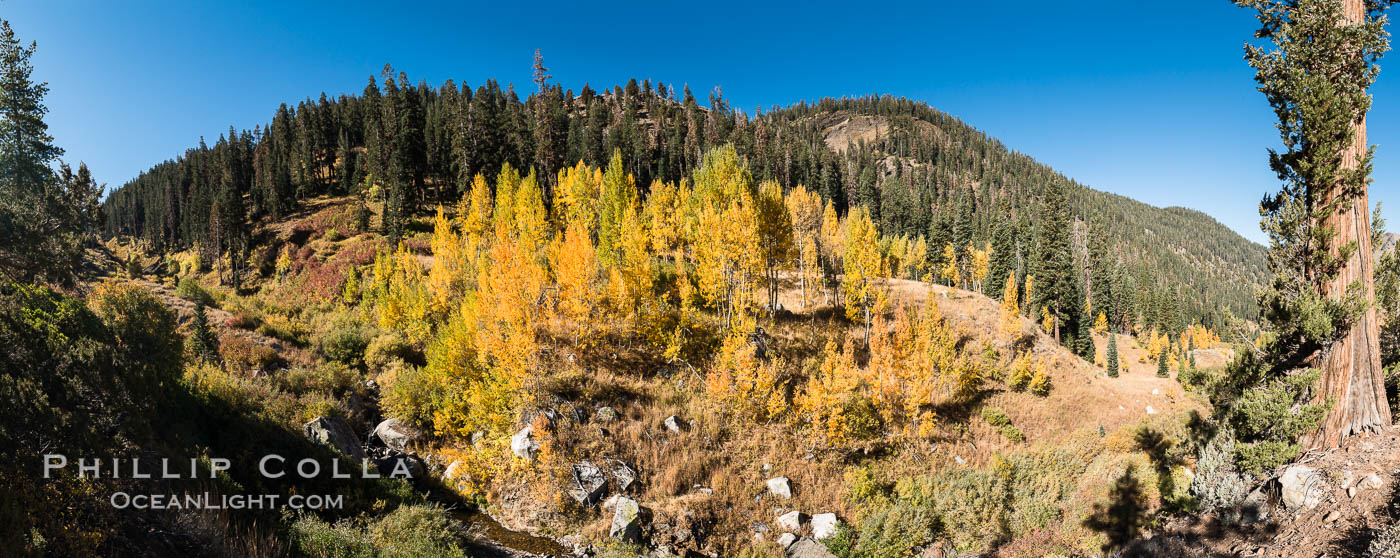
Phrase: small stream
{"type": "Point", "coordinates": [493, 539]}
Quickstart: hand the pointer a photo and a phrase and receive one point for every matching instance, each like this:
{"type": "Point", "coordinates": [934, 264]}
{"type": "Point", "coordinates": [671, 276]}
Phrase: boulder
{"type": "Point", "coordinates": [523, 444]}
{"type": "Point", "coordinates": [676, 424]}
{"type": "Point", "coordinates": [786, 540]}
{"type": "Point", "coordinates": [334, 432]}
{"type": "Point", "coordinates": [808, 548]}
{"type": "Point", "coordinates": [780, 487]}
{"type": "Point", "coordinates": [1371, 482]}
{"type": "Point", "coordinates": [622, 475]}
{"type": "Point", "coordinates": [824, 525]}
{"type": "Point", "coordinates": [1255, 507]}
{"type": "Point", "coordinates": [626, 523]}
{"type": "Point", "coordinates": [587, 484]}
{"type": "Point", "coordinates": [1302, 487]}
{"type": "Point", "coordinates": [396, 434]}
{"type": "Point", "coordinates": [792, 521]}
{"type": "Point", "coordinates": [399, 461]}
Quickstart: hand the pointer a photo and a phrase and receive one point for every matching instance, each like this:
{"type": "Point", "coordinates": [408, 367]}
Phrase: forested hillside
{"type": "Point", "coordinates": [926, 177]}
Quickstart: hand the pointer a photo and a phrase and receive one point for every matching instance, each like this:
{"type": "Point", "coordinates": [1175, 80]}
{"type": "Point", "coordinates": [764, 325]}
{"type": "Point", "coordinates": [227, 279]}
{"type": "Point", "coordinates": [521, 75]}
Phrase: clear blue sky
{"type": "Point", "coordinates": [1148, 100]}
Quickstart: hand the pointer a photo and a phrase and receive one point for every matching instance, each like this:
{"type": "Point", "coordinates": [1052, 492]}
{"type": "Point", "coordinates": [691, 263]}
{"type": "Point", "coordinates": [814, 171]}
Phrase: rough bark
{"type": "Point", "coordinates": [1351, 368]}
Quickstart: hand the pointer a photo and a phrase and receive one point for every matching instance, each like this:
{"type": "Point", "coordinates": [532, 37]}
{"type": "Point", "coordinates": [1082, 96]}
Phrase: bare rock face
{"type": "Point", "coordinates": [334, 432]}
{"type": "Point", "coordinates": [1302, 487]}
{"type": "Point", "coordinates": [588, 483]}
{"type": "Point", "coordinates": [397, 434]}
{"type": "Point", "coordinates": [780, 487]}
{"type": "Point", "coordinates": [626, 524]}
{"type": "Point", "coordinates": [523, 444]}
{"type": "Point", "coordinates": [623, 476]}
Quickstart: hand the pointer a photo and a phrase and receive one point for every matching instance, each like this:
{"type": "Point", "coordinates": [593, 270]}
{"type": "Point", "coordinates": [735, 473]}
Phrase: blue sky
{"type": "Point", "coordinates": [1136, 98]}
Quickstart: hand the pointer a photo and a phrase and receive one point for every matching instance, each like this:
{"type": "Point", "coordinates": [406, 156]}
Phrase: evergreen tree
{"type": "Point", "coordinates": [1111, 358]}
{"type": "Point", "coordinates": [202, 341]}
{"type": "Point", "coordinates": [1162, 364]}
{"type": "Point", "coordinates": [1003, 252]}
{"type": "Point", "coordinates": [41, 217]}
{"type": "Point", "coordinates": [1056, 285]}
{"type": "Point", "coordinates": [1317, 309]}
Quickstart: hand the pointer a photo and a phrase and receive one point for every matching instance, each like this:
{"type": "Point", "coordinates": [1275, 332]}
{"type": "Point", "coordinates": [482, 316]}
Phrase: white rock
{"type": "Point", "coordinates": [786, 540]}
{"type": "Point", "coordinates": [1302, 487]}
{"type": "Point", "coordinates": [1154, 392]}
{"type": "Point", "coordinates": [626, 519]}
{"type": "Point", "coordinates": [780, 487]}
{"type": "Point", "coordinates": [792, 521]}
{"type": "Point", "coordinates": [824, 525]}
{"type": "Point", "coordinates": [1371, 482]}
{"type": "Point", "coordinates": [959, 460]}
{"type": "Point", "coordinates": [523, 444]}
{"type": "Point", "coordinates": [1151, 411]}
{"type": "Point", "coordinates": [676, 424]}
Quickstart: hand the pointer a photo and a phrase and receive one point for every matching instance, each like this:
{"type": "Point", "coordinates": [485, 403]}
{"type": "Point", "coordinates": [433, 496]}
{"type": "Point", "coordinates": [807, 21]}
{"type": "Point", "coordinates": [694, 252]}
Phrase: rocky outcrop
{"type": "Point", "coordinates": [334, 432]}
{"type": "Point", "coordinates": [396, 434]}
{"type": "Point", "coordinates": [587, 484]}
{"type": "Point", "coordinates": [808, 548]}
{"type": "Point", "coordinates": [523, 444]}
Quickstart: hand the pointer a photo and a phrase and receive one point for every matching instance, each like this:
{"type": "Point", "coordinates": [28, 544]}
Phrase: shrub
{"type": "Point", "coordinates": [895, 532]}
{"type": "Point", "coordinates": [1021, 372]}
{"type": "Point", "coordinates": [189, 289]}
{"type": "Point", "coordinates": [387, 347]}
{"type": "Point", "coordinates": [1040, 382]}
{"type": "Point", "coordinates": [327, 377]}
{"type": "Point", "coordinates": [241, 352]}
{"type": "Point", "coordinates": [1387, 542]}
{"type": "Point", "coordinates": [408, 392]}
{"type": "Point", "coordinates": [314, 538]}
{"type": "Point", "coordinates": [1269, 417]}
{"type": "Point", "coordinates": [345, 345]}
{"type": "Point", "coordinates": [997, 418]}
{"type": "Point", "coordinates": [416, 531]}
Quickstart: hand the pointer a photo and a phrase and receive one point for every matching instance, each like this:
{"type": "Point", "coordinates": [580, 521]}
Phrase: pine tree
{"type": "Point", "coordinates": [1162, 364]}
{"type": "Point", "coordinates": [1111, 357]}
{"type": "Point", "coordinates": [202, 340]}
{"type": "Point", "coordinates": [40, 237]}
{"type": "Point", "coordinates": [1056, 287]}
{"type": "Point", "coordinates": [1320, 241]}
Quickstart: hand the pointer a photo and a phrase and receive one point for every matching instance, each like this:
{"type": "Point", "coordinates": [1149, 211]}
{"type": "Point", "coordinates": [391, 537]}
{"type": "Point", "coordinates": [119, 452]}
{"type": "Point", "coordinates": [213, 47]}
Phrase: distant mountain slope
{"type": "Point", "coordinates": [921, 171]}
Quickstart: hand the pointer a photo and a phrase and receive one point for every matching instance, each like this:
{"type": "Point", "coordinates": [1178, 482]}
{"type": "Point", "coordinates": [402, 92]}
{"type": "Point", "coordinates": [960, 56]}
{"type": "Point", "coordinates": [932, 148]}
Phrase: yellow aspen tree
{"type": "Point", "coordinates": [503, 216]}
{"type": "Point", "coordinates": [727, 256]}
{"type": "Point", "coordinates": [862, 269]}
{"type": "Point", "coordinates": [619, 194]}
{"type": "Point", "coordinates": [774, 237]}
{"type": "Point", "coordinates": [950, 270]}
{"type": "Point", "coordinates": [630, 278]}
{"type": "Point", "coordinates": [981, 264]}
{"type": "Point", "coordinates": [805, 212]}
{"type": "Point", "coordinates": [1010, 307]}
{"type": "Point", "coordinates": [576, 197]}
{"type": "Point", "coordinates": [476, 223]}
{"type": "Point", "coordinates": [1028, 296]}
{"type": "Point", "coordinates": [831, 252]}
{"type": "Point", "coordinates": [575, 265]}
{"type": "Point", "coordinates": [739, 384]}
{"type": "Point", "coordinates": [822, 401]}
{"type": "Point", "coordinates": [916, 261]}
{"type": "Point", "coordinates": [1101, 323]}
{"type": "Point", "coordinates": [400, 296]}
{"type": "Point", "coordinates": [447, 274]}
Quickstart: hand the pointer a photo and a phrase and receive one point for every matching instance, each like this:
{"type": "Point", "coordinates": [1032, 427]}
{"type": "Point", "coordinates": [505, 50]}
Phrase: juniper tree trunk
{"type": "Point", "coordinates": [1351, 368]}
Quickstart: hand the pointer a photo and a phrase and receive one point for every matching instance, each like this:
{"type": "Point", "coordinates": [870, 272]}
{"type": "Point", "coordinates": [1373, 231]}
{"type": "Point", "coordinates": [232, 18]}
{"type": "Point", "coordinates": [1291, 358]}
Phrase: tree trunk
{"type": "Point", "coordinates": [1351, 368]}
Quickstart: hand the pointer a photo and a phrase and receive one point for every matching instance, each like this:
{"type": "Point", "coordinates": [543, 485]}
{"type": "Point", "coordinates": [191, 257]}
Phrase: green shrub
{"type": "Point", "coordinates": [411, 531]}
{"type": "Point", "coordinates": [1268, 418]}
{"type": "Point", "coordinates": [189, 289]}
{"type": "Point", "coordinates": [998, 419]}
{"type": "Point", "coordinates": [894, 532]}
{"type": "Point", "coordinates": [345, 345]}
{"type": "Point", "coordinates": [326, 377]}
{"type": "Point", "coordinates": [314, 538]}
{"type": "Point", "coordinates": [387, 347]}
{"type": "Point", "coordinates": [408, 392]}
